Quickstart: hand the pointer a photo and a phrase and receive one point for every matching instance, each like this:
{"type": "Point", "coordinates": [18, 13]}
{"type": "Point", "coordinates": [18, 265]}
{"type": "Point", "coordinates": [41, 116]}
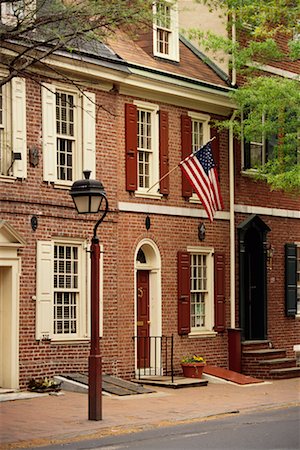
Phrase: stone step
{"type": "Point", "coordinates": [268, 353]}
{"type": "Point", "coordinates": [252, 345]}
{"type": "Point", "coordinates": [288, 372]}
{"type": "Point", "coordinates": [287, 362]}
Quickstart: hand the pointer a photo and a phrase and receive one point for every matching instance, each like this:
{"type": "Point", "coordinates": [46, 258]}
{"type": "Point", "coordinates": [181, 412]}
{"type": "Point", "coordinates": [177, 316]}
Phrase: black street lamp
{"type": "Point", "coordinates": [88, 196]}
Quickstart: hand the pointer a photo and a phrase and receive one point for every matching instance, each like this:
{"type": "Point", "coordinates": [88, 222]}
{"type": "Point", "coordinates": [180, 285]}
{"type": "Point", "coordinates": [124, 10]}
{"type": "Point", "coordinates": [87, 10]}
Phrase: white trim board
{"type": "Point", "coordinates": [200, 213]}
{"type": "Point", "coordinates": [276, 212]}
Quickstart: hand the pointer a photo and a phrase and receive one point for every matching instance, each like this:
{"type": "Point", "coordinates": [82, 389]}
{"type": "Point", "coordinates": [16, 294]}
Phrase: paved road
{"type": "Point", "coordinates": [268, 429]}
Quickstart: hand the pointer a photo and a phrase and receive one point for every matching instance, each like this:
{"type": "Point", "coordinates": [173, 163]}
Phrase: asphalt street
{"type": "Point", "coordinates": [276, 428]}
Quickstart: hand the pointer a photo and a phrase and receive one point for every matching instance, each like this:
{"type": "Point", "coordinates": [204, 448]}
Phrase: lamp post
{"type": "Point", "coordinates": [88, 196]}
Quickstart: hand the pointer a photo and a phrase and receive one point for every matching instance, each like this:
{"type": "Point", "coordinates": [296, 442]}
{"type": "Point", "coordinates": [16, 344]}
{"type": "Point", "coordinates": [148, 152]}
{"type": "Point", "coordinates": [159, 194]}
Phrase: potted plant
{"type": "Point", "coordinates": [192, 366]}
{"type": "Point", "coordinates": [43, 385]}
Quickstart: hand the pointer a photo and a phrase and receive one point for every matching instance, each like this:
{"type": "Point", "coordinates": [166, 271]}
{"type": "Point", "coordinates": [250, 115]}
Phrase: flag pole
{"type": "Point", "coordinates": [175, 167]}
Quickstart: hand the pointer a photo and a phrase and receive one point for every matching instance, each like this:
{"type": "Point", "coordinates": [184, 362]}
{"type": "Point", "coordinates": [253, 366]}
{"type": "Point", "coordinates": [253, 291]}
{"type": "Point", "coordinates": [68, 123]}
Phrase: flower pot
{"type": "Point", "coordinates": [193, 370]}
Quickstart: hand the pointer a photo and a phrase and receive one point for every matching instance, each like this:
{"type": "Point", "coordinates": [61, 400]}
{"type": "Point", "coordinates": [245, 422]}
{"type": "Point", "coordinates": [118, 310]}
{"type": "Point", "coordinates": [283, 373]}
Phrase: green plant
{"type": "Point", "coordinates": [192, 359]}
{"type": "Point", "coordinates": [43, 385]}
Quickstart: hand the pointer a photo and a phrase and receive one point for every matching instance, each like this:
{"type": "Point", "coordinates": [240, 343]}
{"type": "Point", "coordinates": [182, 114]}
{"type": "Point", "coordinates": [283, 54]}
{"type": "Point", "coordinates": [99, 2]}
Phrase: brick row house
{"type": "Point", "coordinates": [135, 110]}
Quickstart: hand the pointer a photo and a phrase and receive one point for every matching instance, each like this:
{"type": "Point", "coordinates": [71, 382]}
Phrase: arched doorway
{"type": "Point", "coordinates": [253, 278]}
{"type": "Point", "coordinates": [147, 305]}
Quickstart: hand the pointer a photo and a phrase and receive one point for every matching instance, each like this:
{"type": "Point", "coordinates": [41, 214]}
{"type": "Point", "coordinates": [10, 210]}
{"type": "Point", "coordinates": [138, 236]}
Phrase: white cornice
{"type": "Point", "coordinates": [276, 71]}
{"type": "Point", "coordinates": [200, 213]}
{"type": "Point", "coordinates": [275, 212]}
{"type": "Point", "coordinates": [168, 210]}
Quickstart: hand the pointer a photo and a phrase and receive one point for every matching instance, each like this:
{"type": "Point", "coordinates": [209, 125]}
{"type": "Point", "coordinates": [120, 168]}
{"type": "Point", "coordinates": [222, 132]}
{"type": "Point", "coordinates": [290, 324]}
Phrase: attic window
{"type": "Point", "coordinates": [165, 36]}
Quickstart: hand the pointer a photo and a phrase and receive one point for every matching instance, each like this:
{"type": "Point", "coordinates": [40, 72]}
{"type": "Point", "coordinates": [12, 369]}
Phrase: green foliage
{"type": "Point", "coordinates": [267, 105]}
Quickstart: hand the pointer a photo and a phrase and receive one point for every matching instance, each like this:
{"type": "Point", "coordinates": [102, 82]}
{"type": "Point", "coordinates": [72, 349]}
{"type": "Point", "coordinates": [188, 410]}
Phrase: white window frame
{"type": "Point", "coordinates": [208, 329]}
{"type": "Point", "coordinates": [173, 53]}
{"type": "Point", "coordinates": [84, 288]}
{"type": "Point", "coordinates": [84, 139]}
{"type": "Point", "coordinates": [262, 143]}
{"type": "Point", "coordinates": [154, 156]}
{"type": "Point", "coordinates": [204, 119]}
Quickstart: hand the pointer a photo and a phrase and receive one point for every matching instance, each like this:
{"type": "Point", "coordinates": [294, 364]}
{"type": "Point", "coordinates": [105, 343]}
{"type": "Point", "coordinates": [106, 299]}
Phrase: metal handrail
{"type": "Point", "coordinates": [154, 356]}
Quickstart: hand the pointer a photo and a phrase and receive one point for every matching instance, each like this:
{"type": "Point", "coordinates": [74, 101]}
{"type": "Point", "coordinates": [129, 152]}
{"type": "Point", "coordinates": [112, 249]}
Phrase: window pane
{"type": "Point", "coordinates": [199, 292]}
{"type": "Point", "coordinates": [144, 147]}
{"type": "Point", "coordinates": [197, 135]}
{"type": "Point", "coordinates": [66, 295]}
{"type": "Point", "coordinates": [256, 150]}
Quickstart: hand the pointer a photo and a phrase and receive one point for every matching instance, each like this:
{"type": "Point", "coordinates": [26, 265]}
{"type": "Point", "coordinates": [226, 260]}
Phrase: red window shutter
{"type": "Point", "coordinates": [184, 314]}
{"type": "Point", "coordinates": [131, 143]}
{"type": "Point", "coordinates": [219, 292]}
{"type": "Point", "coordinates": [164, 151]}
{"type": "Point", "coordinates": [186, 149]}
{"type": "Point", "coordinates": [215, 146]}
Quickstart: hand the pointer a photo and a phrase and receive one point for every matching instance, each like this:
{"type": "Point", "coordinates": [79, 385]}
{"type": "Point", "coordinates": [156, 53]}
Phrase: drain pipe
{"type": "Point", "coordinates": [231, 221]}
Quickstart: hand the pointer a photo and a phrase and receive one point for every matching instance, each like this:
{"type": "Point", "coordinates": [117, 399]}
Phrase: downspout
{"type": "Point", "coordinates": [233, 39]}
{"type": "Point", "coordinates": [231, 221]}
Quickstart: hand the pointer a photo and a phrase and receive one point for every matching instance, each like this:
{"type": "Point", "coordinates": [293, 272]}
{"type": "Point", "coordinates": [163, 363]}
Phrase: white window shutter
{"type": "Point", "coordinates": [89, 133]}
{"type": "Point", "coordinates": [18, 87]}
{"type": "Point", "coordinates": [44, 290]}
{"type": "Point", "coordinates": [49, 132]}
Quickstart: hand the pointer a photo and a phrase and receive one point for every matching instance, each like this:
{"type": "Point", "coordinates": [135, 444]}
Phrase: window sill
{"type": "Point", "coordinates": [297, 316]}
{"type": "Point", "coordinates": [140, 194]}
{"type": "Point", "coordinates": [57, 185]}
{"type": "Point", "coordinates": [72, 341]}
{"type": "Point", "coordinates": [8, 179]}
{"type": "Point", "coordinates": [202, 334]}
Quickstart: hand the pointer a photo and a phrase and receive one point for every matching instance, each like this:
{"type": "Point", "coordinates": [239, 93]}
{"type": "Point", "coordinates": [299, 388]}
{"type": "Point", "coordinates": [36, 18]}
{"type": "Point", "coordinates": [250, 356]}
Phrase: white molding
{"type": "Point", "coordinates": [168, 210]}
{"type": "Point", "coordinates": [200, 213]}
{"type": "Point", "coordinates": [276, 71]}
{"type": "Point", "coordinates": [276, 212]}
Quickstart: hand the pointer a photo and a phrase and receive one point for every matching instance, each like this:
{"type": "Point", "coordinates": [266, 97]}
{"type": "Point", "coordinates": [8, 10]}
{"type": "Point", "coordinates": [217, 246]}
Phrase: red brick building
{"type": "Point", "coordinates": [136, 110]}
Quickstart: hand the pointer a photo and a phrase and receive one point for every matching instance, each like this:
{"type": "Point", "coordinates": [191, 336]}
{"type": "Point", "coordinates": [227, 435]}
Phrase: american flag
{"type": "Point", "coordinates": [200, 170]}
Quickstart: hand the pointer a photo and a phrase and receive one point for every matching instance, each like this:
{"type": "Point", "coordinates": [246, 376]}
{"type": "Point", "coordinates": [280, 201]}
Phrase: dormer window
{"type": "Point", "coordinates": [165, 36]}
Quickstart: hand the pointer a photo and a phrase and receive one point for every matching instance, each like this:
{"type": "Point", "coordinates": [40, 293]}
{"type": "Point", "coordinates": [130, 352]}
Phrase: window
{"type": "Point", "coordinates": [146, 149]}
{"type": "Point", "coordinates": [65, 129]}
{"type": "Point", "coordinates": [63, 290]}
{"type": "Point", "coordinates": [258, 151]}
{"type": "Point", "coordinates": [148, 146]}
{"type": "Point", "coordinates": [66, 289]}
{"type": "Point", "coordinates": [13, 154]}
{"type": "Point", "coordinates": [201, 298]}
{"type": "Point", "coordinates": [201, 291]}
{"type": "Point", "coordinates": [165, 37]}
{"type": "Point", "coordinates": [195, 132]}
{"type": "Point", "coordinates": [68, 134]}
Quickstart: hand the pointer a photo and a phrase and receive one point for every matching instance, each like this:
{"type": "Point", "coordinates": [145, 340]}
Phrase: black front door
{"type": "Point", "coordinates": [254, 287]}
{"type": "Point", "coordinates": [253, 278]}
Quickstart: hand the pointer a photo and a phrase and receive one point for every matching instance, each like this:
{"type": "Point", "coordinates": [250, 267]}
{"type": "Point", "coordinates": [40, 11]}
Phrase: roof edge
{"type": "Point", "coordinates": [223, 75]}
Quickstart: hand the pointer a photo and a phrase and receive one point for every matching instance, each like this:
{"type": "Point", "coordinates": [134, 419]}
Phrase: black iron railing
{"type": "Point", "coordinates": [154, 356]}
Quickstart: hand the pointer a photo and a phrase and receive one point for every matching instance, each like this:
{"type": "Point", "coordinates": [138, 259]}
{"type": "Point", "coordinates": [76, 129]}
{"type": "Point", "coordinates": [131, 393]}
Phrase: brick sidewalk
{"type": "Point", "coordinates": [54, 419]}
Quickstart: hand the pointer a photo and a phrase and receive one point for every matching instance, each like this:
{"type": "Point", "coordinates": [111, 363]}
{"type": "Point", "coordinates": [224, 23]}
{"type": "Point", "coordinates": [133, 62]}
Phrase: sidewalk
{"type": "Point", "coordinates": [54, 419]}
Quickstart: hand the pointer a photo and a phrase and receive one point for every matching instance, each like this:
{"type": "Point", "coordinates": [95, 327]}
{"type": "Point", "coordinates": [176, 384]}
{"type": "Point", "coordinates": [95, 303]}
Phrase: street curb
{"type": "Point", "coordinates": [126, 429]}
